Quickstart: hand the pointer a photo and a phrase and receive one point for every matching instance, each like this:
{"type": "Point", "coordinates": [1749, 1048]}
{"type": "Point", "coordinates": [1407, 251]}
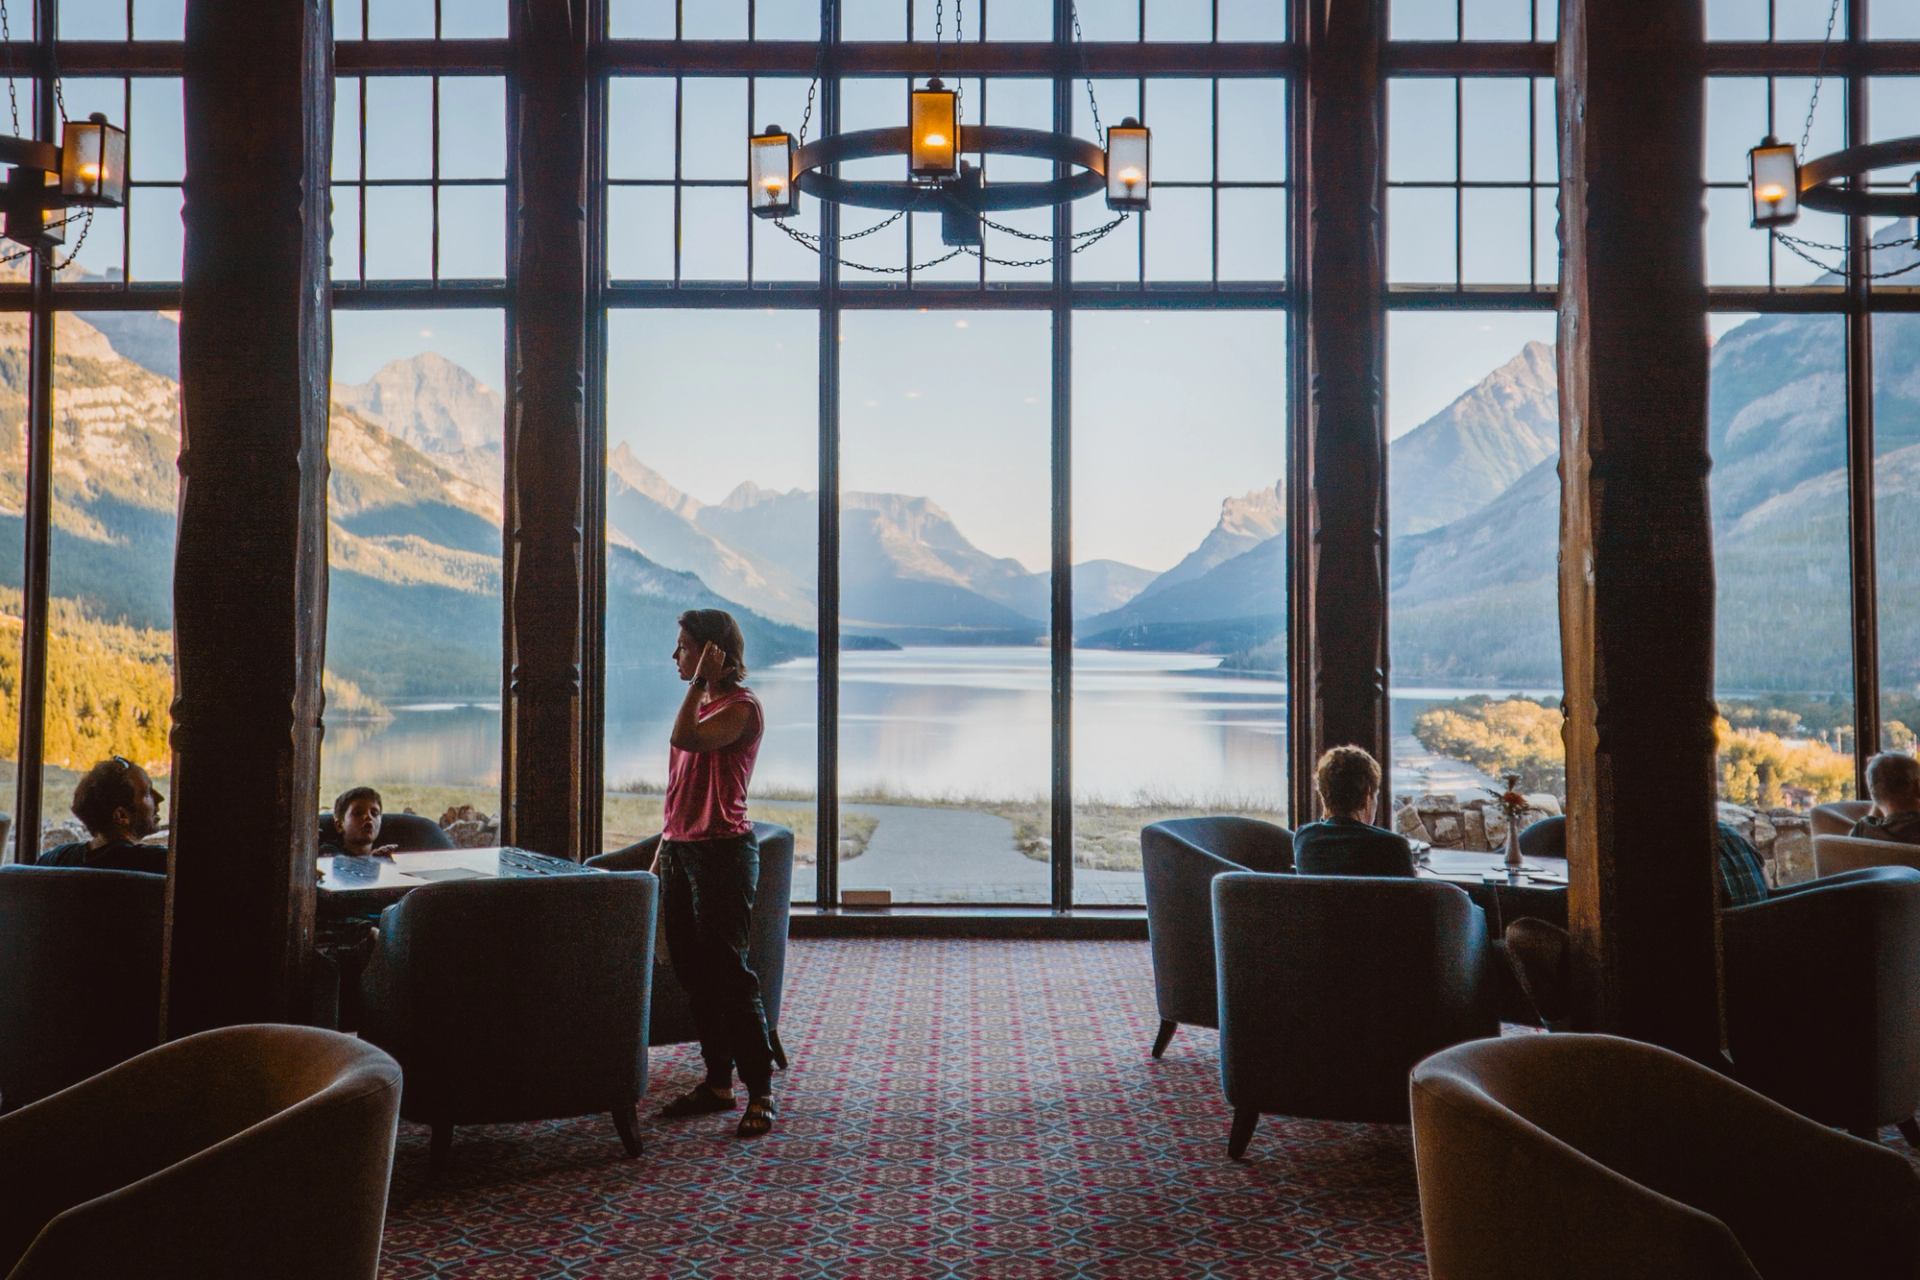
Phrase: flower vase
{"type": "Point", "coordinates": [1513, 860]}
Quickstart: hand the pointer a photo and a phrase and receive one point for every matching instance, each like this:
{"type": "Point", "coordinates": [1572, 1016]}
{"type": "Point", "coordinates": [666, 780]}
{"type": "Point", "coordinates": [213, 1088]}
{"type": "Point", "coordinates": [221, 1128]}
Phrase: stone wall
{"type": "Point", "coordinates": [1783, 837]}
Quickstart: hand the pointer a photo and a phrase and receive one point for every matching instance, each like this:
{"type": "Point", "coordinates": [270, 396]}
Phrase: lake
{"type": "Point", "coordinates": [945, 723]}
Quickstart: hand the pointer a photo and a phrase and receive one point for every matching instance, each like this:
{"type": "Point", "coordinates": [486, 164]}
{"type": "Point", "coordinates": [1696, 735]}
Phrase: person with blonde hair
{"type": "Point", "coordinates": [1893, 783]}
{"type": "Point", "coordinates": [1345, 842]}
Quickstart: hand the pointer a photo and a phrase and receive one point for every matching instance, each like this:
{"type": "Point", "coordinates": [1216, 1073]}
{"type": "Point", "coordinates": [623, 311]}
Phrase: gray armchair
{"type": "Point", "coordinates": [672, 1021]}
{"type": "Point", "coordinates": [229, 1155]}
{"type": "Point", "coordinates": [516, 999]}
{"type": "Point", "coordinates": [1591, 1158]}
{"type": "Point", "coordinates": [1821, 984]}
{"type": "Point", "coordinates": [80, 953]}
{"type": "Point", "coordinates": [412, 832]}
{"type": "Point", "coordinates": [1546, 838]}
{"type": "Point", "coordinates": [1180, 858]}
{"type": "Point", "coordinates": [1332, 987]}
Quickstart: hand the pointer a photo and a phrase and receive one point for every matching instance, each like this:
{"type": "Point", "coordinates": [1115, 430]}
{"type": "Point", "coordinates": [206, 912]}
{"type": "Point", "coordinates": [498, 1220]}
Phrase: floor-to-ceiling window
{"type": "Point", "coordinates": [416, 448]}
{"type": "Point", "coordinates": [88, 471]}
{"type": "Point", "coordinates": [1811, 420]}
{"type": "Point", "coordinates": [890, 457]}
{"type": "Point", "coordinates": [1472, 417]}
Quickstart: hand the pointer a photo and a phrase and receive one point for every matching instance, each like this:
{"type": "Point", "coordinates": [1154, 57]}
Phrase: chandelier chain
{"type": "Point", "coordinates": [13, 94]}
{"type": "Point", "coordinates": [86, 225]}
{"type": "Point", "coordinates": [819, 65]}
{"type": "Point", "coordinates": [1086, 69]}
{"type": "Point", "coordinates": [1794, 246]}
{"type": "Point", "coordinates": [1820, 78]}
{"type": "Point", "coordinates": [1084, 240]}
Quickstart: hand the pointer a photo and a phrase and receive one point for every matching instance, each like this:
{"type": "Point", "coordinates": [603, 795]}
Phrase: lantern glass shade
{"type": "Point", "coordinates": [770, 187]}
{"type": "Point", "coordinates": [1773, 183]}
{"type": "Point", "coordinates": [933, 120]}
{"type": "Point", "coordinates": [93, 163]}
{"type": "Point", "coordinates": [1128, 175]}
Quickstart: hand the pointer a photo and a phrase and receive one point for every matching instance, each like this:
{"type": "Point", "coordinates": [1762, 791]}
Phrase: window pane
{"type": "Point", "coordinates": [1424, 20]}
{"type": "Point", "coordinates": [1896, 484]}
{"type": "Point", "coordinates": [159, 19]}
{"type": "Point", "coordinates": [786, 20]}
{"type": "Point", "coordinates": [400, 127]}
{"type": "Point", "coordinates": [473, 127]}
{"type": "Point", "coordinates": [157, 114]}
{"type": "Point", "coordinates": [473, 233]}
{"type": "Point", "coordinates": [731, 508]}
{"type": "Point", "coordinates": [1180, 236]}
{"type": "Point", "coordinates": [1495, 236]}
{"type": "Point", "coordinates": [399, 19]}
{"type": "Point", "coordinates": [1473, 538]}
{"type": "Point", "coordinates": [1782, 660]}
{"type": "Point", "coordinates": [1179, 680]}
{"type": "Point", "coordinates": [1178, 20]}
{"type": "Point", "coordinates": [945, 541]}
{"type": "Point", "coordinates": [713, 233]}
{"type": "Point", "coordinates": [413, 607]}
{"type": "Point", "coordinates": [640, 233]}
{"type": "Point", "coordinates": [714, 20]}
{"type": "Point", "coordinates": [640, 127]}
{"type": "Point", "coordinates": [93, 19]}
{"type": "Point", "coordinates": [157, 242]}
{"type": "Point", "coordinates": [400, 233]}
{"type": "Point", "coordinates": [1253, 234]}
{"type": "Point", "coordinates": [1420, 235]}
{"type": "Point", "coordinates": [1253, 20]}
{"type": "Point", "coordinates": [640, 19]}
{"type": "Point", "coordinates": [116, 444]}
{"type": "Point", "coordinates": [1736, 19]}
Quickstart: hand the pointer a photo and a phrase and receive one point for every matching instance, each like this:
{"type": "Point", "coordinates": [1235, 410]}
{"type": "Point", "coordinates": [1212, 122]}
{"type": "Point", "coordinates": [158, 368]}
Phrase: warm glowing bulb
{"type": "Point", "coordinates": [936, 140]}
{"type": "Point", "coordinates": [772, 184]}
{"type": "Point", "coordinates": [91, 172]}
{"type": "Point", "coordinates": [1131, 177]}
{"type": "Point", "coordinates": [1773, 193]}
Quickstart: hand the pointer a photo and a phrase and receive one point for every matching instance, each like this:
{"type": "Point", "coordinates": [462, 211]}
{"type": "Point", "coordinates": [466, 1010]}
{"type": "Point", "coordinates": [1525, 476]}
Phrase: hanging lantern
{"type": "Point", "coordinates": [1128, 179]}
{"type": "Point", "coordinates": [933, 118]}
{"type": "Point", "coordinates": [1773, 183]}
{"type": "Point", "coordinates": [770, 186]}
{"type": "Point", "coordinates": [93, 163]}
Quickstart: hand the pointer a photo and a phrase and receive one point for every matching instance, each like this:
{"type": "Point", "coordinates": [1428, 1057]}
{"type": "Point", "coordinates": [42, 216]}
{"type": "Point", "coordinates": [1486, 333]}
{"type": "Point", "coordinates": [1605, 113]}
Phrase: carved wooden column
{"type": "Point", "coordinates": [1342, 672]}
{"type": "Point", "coordinates": [250, 572]}
{"type": "Point", "coordinates": [543, 765]}
{"type": "Point", "coordinates": [1636, 542]}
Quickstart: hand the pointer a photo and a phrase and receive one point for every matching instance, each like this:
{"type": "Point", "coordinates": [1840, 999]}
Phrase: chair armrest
{"type": "Point", "coordinates": [1836, 855]}
{"type": "Point", "coordinates": [637, 856]}
{"type": "Point", "coordinates": [1858, 875]}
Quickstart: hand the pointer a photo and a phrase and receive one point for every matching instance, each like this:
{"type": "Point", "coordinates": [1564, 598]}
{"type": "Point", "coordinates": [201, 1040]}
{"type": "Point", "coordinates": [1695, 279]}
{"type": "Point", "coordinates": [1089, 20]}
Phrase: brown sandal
{"type": "Point", "coordinates": [757, 1119]}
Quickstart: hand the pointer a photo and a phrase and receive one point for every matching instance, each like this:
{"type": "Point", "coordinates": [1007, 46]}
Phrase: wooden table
{"type": "Point", "coordinates": [351, 885]}
{"type": "Point", "coordinates": [1541, 893]}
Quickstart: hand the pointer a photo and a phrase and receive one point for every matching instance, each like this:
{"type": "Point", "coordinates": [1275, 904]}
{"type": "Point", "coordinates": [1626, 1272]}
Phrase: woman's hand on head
{"type": "Point", "coordinates": [712, 666]}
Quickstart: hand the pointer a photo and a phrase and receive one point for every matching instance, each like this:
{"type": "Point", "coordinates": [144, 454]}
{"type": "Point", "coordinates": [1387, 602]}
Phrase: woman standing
{"type": "Point", "coordinates": [709, 865]}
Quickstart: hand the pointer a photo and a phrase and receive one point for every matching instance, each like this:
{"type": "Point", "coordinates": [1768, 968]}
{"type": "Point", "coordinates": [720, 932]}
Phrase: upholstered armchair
{"type": "Point", "coordinates": [516, 999]}
{"type": "Point", "coordinates": [1833, 855]}
{"type": "Point", "coordinates": [1546, 838]}
{"type": "Point", "coordinates": [412, 832]}
{"type": "Point", "coordinates": [232, 1154]}
{"type": "Point", "coordinates": [1821, 981]}
{"type": "Point", "coordinates": [1838, 817]}
{"type": "Point", "coordinates": [1332, 987]}
{"type": "Point", "coordinates": [672, 1021]}
{"type": "Point", "coordinates": [1592, 1158]}
{"type": "Point", "coordinates": [1180, 858]}
{"type": "Point", "coordinates": [80, 953]}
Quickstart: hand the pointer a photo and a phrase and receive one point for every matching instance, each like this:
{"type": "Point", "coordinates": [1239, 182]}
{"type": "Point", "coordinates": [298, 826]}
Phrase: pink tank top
{"type": "Point", "coordinates": [707, 790]}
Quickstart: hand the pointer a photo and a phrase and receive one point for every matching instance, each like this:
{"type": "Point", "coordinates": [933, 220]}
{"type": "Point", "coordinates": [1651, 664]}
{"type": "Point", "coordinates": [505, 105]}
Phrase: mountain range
{"type": "Point", "coordinates": [415, 536]}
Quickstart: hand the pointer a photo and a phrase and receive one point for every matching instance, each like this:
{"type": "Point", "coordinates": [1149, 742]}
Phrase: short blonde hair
{"type": "Point", "coordinates": [1343, 778]}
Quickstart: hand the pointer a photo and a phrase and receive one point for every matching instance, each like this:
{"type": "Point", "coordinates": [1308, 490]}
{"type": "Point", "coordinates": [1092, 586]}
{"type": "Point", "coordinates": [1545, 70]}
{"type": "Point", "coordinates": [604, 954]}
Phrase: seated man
{"type": "Point", "coordinates": [1893, 783]}
{"type": "Point", "coordinates": [1344, 843]}
{"type": "Point", "coordinates": [117, 802]}
{"type": "Point", "coordinates": [356, 814]}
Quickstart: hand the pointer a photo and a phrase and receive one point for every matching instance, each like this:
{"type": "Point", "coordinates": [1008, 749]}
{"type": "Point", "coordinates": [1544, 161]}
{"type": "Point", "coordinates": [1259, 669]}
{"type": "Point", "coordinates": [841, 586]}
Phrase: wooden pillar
{"type": "Point", "coordinates": [250, 572]}
{"type": "Point", "coordinates": [1340, 659]}
{"type": "Point", "coordinates": [1636, 540]}
{"type": "Point", "coordinates": [543, 762]}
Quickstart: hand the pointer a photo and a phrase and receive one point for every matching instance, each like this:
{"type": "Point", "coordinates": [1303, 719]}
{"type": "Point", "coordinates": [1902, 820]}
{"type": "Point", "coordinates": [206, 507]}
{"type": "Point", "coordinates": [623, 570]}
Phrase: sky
{"type": "Point", "coordinates": [954, 406]}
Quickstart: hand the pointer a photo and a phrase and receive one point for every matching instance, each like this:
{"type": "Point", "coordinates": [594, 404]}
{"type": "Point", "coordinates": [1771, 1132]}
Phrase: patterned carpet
{"type": "Point", "coordinates": [954, 1108]}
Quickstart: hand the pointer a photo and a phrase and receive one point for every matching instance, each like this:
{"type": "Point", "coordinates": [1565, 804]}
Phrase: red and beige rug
{"type": "Point", "coordinates": [954, 1108]}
